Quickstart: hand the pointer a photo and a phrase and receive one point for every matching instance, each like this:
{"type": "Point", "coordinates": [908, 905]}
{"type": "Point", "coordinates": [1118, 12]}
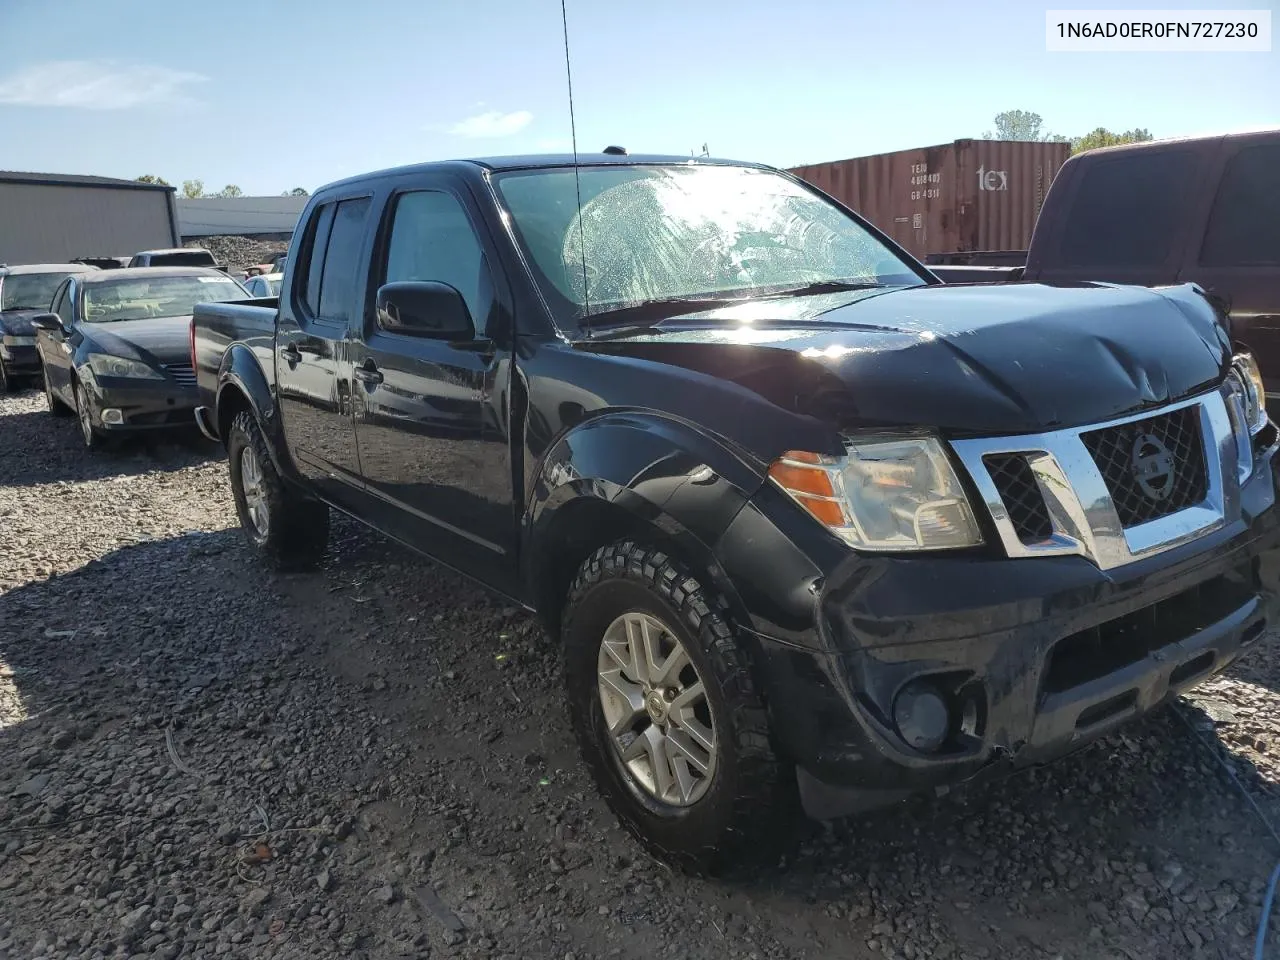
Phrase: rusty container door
{"type": "Point", "coordinates": [967, 195]}
{"type": "Point", "coordinates": [1004, 185]}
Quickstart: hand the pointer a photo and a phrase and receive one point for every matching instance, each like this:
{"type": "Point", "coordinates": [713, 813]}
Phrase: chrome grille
{"type": "Point", "coordinates": [1172, 443]}
{"type": "Point", "coordinates": [1076, 472]}
{"type": "Point", "coordinates": [181, 373]}
{"type": "Point", "coordinates": [1021, 495]}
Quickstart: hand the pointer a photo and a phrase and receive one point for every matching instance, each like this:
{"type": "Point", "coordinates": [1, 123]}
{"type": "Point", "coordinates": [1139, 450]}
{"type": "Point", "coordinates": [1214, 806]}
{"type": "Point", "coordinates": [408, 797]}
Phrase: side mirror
{"type": "Point", "coordinates": [47, 321]}
{"type": "Point", "coordinates": [424, 309]}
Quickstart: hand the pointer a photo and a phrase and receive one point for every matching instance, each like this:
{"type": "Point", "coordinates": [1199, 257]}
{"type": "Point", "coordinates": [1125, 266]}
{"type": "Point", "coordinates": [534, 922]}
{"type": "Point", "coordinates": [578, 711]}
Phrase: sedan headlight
{"type": "Point", "coordinates": [104, 365]}
{"type": "Point", "coordinates": [883, 494]}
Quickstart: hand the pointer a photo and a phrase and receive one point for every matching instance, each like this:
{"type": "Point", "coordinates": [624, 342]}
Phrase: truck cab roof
{"type": "Point", "coordinates": [535, 161]}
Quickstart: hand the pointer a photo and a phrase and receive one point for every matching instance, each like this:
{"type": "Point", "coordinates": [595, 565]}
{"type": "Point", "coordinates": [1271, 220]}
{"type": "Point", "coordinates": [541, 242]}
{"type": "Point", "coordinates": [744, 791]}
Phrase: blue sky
{"type": "Point", "coordinates": [271, 95]}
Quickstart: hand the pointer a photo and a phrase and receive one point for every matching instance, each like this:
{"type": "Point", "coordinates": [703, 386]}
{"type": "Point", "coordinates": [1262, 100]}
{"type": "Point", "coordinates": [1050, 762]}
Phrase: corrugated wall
{"type": "Point", "coordinates": [967, 195]}
{"type": "Point", "coordinates": [51, 223]}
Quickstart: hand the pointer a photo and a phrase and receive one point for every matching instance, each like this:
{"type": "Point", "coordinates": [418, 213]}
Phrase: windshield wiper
{"type": "Point", "coordinates": [822, 286]}
{"type": "Point", "coordinates": [652, 311]}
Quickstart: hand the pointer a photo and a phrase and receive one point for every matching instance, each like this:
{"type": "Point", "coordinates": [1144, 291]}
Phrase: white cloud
{"type": "Point", "coordinates": [95, 85]}
{"type": "Point", "coordinates": [492, 123]}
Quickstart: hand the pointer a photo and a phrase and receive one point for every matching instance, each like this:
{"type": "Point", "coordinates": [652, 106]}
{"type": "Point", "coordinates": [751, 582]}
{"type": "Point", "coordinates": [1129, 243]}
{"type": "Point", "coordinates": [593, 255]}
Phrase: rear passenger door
{"type": "Point", "coordinates": [434, 450]}
{"type": "Point", "coordinates": [1239, 257]}
{"type": "Point", "coordinates": [313, 344]}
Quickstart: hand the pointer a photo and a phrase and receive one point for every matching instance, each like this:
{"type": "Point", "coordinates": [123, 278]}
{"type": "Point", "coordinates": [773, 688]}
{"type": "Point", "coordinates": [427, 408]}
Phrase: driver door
{"type": "Point", "coordinates": [434, 450]}
{"type": "Point", "coordinates": [55, 346]}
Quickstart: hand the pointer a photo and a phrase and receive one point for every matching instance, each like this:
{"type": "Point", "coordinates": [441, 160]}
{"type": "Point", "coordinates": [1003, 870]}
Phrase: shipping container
{"type": "Point", "coordinates": [966, 195]}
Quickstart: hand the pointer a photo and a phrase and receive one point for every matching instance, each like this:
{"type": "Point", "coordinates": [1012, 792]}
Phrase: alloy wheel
{"type": "Point", "coordinates": [656, 711]}
{"type": "Point", "coordinates": [85, 415]}
{"type": "Point", "coordinates": [255, 493]}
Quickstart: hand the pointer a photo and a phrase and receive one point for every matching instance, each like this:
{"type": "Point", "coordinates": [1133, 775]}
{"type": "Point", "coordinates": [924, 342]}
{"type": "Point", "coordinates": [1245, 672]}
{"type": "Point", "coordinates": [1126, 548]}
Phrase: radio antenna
{"type": "Point", "coordinates": [577, 179]}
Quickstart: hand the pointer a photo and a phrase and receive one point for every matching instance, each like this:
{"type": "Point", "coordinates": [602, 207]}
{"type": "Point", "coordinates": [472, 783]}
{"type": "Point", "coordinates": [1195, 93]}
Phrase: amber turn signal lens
{"type": "Point", "coordinates": [798, 479]}
{"type": "Point", "coordinates": [799, 474]}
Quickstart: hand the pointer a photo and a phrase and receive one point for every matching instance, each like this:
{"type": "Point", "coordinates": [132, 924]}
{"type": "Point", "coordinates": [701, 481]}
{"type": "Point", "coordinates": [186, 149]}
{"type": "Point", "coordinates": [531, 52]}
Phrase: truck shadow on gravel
{"type": "Point", "coordinates": [64, 459]}
{"type": "Point", "coordinates": [411, 730]}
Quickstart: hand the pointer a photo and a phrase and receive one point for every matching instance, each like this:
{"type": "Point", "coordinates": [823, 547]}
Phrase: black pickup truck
{"type": "Point", "coordinates": [804, 522]}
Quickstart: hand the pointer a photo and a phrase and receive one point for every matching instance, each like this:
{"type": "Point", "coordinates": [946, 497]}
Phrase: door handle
{"type": "Point", "coordinates": [368, 372]}
{"type": "Point", "coordinates": [291, 354]}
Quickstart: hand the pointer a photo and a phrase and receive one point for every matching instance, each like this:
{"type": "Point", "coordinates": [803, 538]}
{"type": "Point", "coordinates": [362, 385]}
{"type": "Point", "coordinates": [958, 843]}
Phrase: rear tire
{"type": "Point", "coordinates": [287, 530]}
{"type": "Point", "coordinates": [705, 790]}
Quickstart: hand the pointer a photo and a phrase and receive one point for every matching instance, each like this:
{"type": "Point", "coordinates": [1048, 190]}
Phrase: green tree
{"type": "Point", "coordinates": [151, 178]}
{"type": "Point", "coordinates": [193, 189]}
{"type": "Point", "coordinates": [295, 192]}
{"type": "Point", "coordinates": [230, 190]}
{"type": "Point", "coordinates": [1021, 125]}
{"type": "Point", "coordinates": [1102, 137]}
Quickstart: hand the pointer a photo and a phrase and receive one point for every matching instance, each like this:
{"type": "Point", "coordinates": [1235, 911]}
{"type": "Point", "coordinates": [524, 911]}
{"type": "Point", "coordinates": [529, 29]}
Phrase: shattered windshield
{"type": "Point", "coordinates": [695, 232]}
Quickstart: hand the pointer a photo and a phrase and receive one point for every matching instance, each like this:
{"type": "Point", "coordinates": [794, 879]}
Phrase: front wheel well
{"type": "Point", "coordinates": [580, 529]}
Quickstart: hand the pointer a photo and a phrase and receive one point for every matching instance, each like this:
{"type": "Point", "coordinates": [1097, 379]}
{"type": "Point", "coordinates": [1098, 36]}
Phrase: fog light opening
{"type": "Point", "coordinates": [922, 716]}
{"type": "Point", "coordinates": [113, 416]}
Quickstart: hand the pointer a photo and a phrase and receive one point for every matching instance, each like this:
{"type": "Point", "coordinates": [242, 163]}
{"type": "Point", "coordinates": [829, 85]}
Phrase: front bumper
{"type": "Point", "coordinates": [143, 404]}
{"type": "Point", "coordinates": [1035, 656]}
{"type": "Point", "coordinates": [21, 360]}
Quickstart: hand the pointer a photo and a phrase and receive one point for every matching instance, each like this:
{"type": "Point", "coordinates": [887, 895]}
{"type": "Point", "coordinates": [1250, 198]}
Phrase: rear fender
{"type": "Point", "coordinates": [242, 373]}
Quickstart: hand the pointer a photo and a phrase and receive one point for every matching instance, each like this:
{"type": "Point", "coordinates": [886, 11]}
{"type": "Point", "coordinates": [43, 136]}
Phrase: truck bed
{"type": "Point", "coordinates": [216, 327]}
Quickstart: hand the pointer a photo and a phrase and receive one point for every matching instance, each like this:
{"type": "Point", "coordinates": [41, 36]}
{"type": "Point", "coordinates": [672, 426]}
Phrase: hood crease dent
{"type": "Point", "coordinates": [965, 359]}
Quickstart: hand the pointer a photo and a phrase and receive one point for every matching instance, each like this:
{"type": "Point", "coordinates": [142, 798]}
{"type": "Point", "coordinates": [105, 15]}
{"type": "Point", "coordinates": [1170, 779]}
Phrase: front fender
{"type": "Point", "coordinates": [679, 484]}
{"type": "Point", "coordinates": [241, 374]}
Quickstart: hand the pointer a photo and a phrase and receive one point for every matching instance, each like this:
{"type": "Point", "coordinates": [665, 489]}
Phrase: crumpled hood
{"type": "Point", "coordinates": [977, 359]}
{"type": "Point", "coordinates": [157, 340]}
{"type": "Point", "coordinates": [17, 323]}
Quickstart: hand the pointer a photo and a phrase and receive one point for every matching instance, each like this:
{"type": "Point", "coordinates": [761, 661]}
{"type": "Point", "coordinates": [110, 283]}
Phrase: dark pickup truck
{"type": "Point", "coordinates": [802, 520]}
{"type": "Point", "coordinates": [1203, 210]}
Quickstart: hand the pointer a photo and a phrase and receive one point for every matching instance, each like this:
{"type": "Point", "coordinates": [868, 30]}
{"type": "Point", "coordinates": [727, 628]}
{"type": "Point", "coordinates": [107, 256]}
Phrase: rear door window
{"type": "Point", "coordinates": [1127, 210]}
{"type": "Point", "coordinates": [314, 246]}
{"type": "Point", "coordinates": [1244, 226]}
{"type": "Point", "coordinates": [341, 258]}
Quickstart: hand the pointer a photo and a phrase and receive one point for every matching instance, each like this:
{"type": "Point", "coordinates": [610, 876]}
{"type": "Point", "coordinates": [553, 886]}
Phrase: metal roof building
{"type": "Point", "coordinates": [52, 218]}
{"type": "Point", "coordinates": [270, 218]}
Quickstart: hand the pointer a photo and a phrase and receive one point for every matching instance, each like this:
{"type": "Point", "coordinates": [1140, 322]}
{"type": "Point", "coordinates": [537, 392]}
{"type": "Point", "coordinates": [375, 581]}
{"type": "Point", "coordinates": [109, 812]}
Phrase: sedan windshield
{"type": "Point", "coordinates": [137, 299]}
{"type": "Point", "coordinates": [29, 291]}
{"type": "Point", "coordinates": [685, 233]}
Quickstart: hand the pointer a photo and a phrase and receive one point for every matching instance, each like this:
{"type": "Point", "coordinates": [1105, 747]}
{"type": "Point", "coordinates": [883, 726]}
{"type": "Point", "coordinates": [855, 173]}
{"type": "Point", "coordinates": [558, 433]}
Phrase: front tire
{"type": "Point", "coordinates": [7, 384]}
{"type": "Point", "coordinates": [667, 714]}
{"type": "Point", "coordinates": [56, 407]}
{"type": "Point", "coordinates": [91, 435]}
{"type": "Point", "coordinates": [288, 531]}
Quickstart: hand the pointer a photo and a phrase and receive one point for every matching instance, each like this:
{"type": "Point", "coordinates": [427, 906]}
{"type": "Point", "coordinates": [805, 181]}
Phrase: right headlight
{"type": "Point", "coordinates": [1244, 370]}
{"type": "Point", "coordinates": [883, 494]}
{"type": "Point", "coordinates": [105, 365]}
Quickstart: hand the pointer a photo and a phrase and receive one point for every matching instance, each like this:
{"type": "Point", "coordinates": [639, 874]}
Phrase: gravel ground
{"type": "Point", "coordinates": [200, 759]}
